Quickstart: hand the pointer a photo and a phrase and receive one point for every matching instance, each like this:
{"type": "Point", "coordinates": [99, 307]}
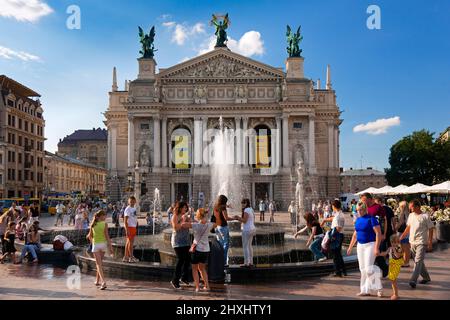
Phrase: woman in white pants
{"type": "Point", "coordinates": [248, 232]}
{"type": "Point", "coordinates": [368, 235]}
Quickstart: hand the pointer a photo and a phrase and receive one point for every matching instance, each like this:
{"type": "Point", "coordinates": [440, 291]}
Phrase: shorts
{"type": "Point", "coordinates": [199, 257]}
{"type": "Point", "coordinates": [132, 231]}
{"type": "Point", "coordinates": [99, 247]}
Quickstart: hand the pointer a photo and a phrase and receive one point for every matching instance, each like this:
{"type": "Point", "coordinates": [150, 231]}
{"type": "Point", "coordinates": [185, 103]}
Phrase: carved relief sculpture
{"type": "Point", "coordinates": [156, 92]}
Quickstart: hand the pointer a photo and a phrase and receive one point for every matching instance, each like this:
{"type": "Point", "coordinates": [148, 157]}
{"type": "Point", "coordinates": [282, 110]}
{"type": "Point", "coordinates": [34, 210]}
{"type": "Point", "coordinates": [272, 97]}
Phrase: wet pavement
{"type": "Point", "coordinates": [43, 282]}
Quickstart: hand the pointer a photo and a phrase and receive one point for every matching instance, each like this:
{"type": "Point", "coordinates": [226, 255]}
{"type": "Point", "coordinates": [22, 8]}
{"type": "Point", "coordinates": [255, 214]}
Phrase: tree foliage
{"type": "Point", "coordinates": [419, 158]}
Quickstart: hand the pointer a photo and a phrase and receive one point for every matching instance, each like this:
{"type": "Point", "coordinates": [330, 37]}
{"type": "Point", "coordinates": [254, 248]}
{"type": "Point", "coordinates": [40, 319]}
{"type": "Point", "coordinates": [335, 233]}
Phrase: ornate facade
{"type": "Point", "coordinates": [22, 140]}
{"type": "Point", "coordinates": [299, 121]}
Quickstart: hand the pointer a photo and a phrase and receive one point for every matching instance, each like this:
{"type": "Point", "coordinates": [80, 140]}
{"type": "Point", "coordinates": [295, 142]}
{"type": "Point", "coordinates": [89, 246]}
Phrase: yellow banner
{"type": "Point", "coordinates": [181, 151]}
{"type": "Point", "coordinates": [262, 152]}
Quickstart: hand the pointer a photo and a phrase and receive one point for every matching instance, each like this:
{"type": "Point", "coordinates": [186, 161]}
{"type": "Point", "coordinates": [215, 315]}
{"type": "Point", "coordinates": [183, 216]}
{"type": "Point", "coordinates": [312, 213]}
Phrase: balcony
{"type": "Point", "coordinates": [262, 171]}
{"type": "Point", "coordinates": [28, 165]}
{"type": "Point", "coordinates": [28, 148]}
{"type": "Point", "coordinates": [181, 171]}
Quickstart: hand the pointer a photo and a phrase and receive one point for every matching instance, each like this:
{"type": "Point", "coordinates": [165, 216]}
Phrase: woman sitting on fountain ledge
{"type": "Point", "coordinates": [248, 232]}
{"type": "Point", "coordinates": [221, 218]}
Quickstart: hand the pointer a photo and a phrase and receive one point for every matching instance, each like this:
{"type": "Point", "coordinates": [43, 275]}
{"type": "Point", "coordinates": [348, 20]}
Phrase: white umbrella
{"type": "Point", "coordinates": [397, 190]}
{"type": "Point", "coordinates": [383, 190]}
{"type": "Point", "coordinates": [443, 188]}
{"type": "Point", "coordinates": [369, 190]}
{"type": "Point", "coordinates": [417, 188]}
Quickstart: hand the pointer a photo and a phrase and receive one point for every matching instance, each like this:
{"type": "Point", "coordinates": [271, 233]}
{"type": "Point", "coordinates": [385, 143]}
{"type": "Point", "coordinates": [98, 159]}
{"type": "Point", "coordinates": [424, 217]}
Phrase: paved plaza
{"type": "Point", "coordinates": [40, 282]}
{"type": "Point", "coordinates": [45, 282]}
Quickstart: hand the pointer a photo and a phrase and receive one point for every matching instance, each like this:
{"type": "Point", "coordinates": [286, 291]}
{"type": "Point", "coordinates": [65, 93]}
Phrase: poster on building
{"type": "Point", "coordinates": [181, 152]}
{"type": "Point", "coordinates": [262, 152]}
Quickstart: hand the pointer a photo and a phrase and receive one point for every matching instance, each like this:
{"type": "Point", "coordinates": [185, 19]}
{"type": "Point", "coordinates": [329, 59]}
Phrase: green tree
{"type": "Point", "coordinates": [419, 158]}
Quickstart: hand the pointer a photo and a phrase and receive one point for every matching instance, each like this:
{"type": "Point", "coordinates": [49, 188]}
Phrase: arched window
{"type": "Point", "coordinates": [181, 148]}
{"type": "Point", "coordinates": [263, 147]}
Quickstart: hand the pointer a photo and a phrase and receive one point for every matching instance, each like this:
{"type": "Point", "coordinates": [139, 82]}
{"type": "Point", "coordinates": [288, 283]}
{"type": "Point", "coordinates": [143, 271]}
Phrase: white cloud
{"type": "Point", "coordinates": [377, 127]}
{"type": "Point", "coordinates": [10, 54]}
{"type": "Point", "coordinates": [181, 32]}
{"type": "Point", "coordinates": [169, 24]}
{"type": "Point", "coordinates": [249, 45]}
{"type": "Point", "coordinates": [24, 10]}
{"type": "Point", "coordinates": [179, 35]}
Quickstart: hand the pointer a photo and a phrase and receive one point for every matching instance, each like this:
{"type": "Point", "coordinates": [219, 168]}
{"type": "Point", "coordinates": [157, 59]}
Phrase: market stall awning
{"type": "Point", "coordinates": [442, 188]}
{"type": "Point", "coordinates": [397, 190]}
{"type": "Point", "coordinates": [383, 191]}
{"type": "Point", "coordinates": [417, 188]}
{"type": "Point", "coordinates": [369, 190]}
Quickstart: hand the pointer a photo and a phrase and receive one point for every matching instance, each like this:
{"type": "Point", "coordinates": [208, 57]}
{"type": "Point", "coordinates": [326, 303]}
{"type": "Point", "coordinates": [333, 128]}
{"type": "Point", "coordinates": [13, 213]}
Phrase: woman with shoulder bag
{"type": "Point", "coordinates": [200, 248]}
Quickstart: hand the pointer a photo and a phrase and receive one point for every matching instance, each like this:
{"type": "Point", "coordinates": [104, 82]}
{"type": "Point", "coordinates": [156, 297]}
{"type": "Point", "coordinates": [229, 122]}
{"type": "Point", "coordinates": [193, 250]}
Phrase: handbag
{"type": "Point", "coordinates": [194, 244]}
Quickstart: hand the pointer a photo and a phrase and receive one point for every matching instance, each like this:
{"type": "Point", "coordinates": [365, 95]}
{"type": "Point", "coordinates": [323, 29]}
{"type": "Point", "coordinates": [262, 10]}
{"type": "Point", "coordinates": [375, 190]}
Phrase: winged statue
{"type": "Point", "coordinates": [148, 49]}
{"type": "Point", "coordinates": [221, 23]}
{"type": "Point", "coordinates": [294, 40]}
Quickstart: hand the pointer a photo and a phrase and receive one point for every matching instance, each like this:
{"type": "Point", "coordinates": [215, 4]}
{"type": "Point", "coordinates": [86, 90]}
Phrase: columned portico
{"type": "Point", "coordinates": [286, 157]}
{"type": "Point", "coordinates": [131, 141]}
{"type": "Point", "coordinates": [157, 141]}
{"type": "Point", "coordinates": [113, 148]}
{"type": "Point", "coordinates": [312, 145]}
{"type": "Point", "coordinates": [245, 141]}
{"type": "Point", "coordinates": [164, 142]}
{"type": "Point", "coordinates": [184, 100]}
{"type": "Point", "coordinates": [238, 138]}
{"type": "Point", "coordinates": [331, 140]}
{"type": "Point", "coordinates": [198, 141]}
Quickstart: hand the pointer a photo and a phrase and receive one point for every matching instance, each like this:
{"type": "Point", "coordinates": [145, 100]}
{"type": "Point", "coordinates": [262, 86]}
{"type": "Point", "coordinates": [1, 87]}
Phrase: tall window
{"type": "Point", "coordinates": [263, 147]}
{"type": "Point", "coordinates": [181, 149]}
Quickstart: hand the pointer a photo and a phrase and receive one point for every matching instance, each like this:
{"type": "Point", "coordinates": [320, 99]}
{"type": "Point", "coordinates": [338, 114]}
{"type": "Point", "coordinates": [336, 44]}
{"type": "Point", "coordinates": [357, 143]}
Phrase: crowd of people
{"type": "Point", "coordinates": [385, 240]}
{"type": "Point", "coordinates": [22, 224]}
{"type": "Point", "coordinates": [196, 253]}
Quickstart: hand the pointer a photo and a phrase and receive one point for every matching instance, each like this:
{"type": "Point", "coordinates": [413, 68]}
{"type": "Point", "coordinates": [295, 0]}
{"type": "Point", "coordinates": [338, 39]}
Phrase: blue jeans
{"type": "Point", "coordinates": [223, 236]}
{"type": "Point", "coordinates": [31, 248]}
{"type": "Point", "coordinates": [316, 248]}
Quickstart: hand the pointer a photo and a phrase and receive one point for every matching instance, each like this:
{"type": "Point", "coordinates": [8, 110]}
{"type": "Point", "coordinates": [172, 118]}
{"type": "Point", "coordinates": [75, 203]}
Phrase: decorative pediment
{"type": "Point", "coordinates": [221, 64]}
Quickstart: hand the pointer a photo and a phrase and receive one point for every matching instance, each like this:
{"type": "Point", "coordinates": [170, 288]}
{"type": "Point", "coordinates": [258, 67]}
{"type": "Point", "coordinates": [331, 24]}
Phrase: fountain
{"type": "Point", "coordinates": [225, 177]}
{"type": "Point", "coordinates": [156, 208]}
{"type": "Point", "coordinates": [276, 253]}
{"type": "Point", "coordinates": [300, 192]}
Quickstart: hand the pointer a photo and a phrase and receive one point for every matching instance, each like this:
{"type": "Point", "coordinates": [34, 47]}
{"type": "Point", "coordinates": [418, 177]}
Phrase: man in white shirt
{"type": "Point", "coordinates": [262, 210]}
{"type": "Point", "coordinates": [60, 208]}
{"type": "Point", "coordinates": [337, 230]}
{"type": "Point", "coordinates": [420, 230]}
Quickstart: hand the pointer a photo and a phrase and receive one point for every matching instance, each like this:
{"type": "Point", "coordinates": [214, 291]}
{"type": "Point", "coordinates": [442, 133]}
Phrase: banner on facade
{"type": "Point", "coordinates": [262, 152]}
{"type": "Point", "coordinates": [181, 152]}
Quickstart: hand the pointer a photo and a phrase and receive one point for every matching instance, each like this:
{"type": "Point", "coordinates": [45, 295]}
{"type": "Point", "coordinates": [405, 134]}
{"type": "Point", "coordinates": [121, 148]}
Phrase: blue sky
{"type": "Point", "coordinates": [400, 71]}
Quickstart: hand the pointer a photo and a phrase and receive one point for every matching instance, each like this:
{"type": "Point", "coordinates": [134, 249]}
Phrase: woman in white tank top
{"type": "Point", "coordinates": [248, 232]}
